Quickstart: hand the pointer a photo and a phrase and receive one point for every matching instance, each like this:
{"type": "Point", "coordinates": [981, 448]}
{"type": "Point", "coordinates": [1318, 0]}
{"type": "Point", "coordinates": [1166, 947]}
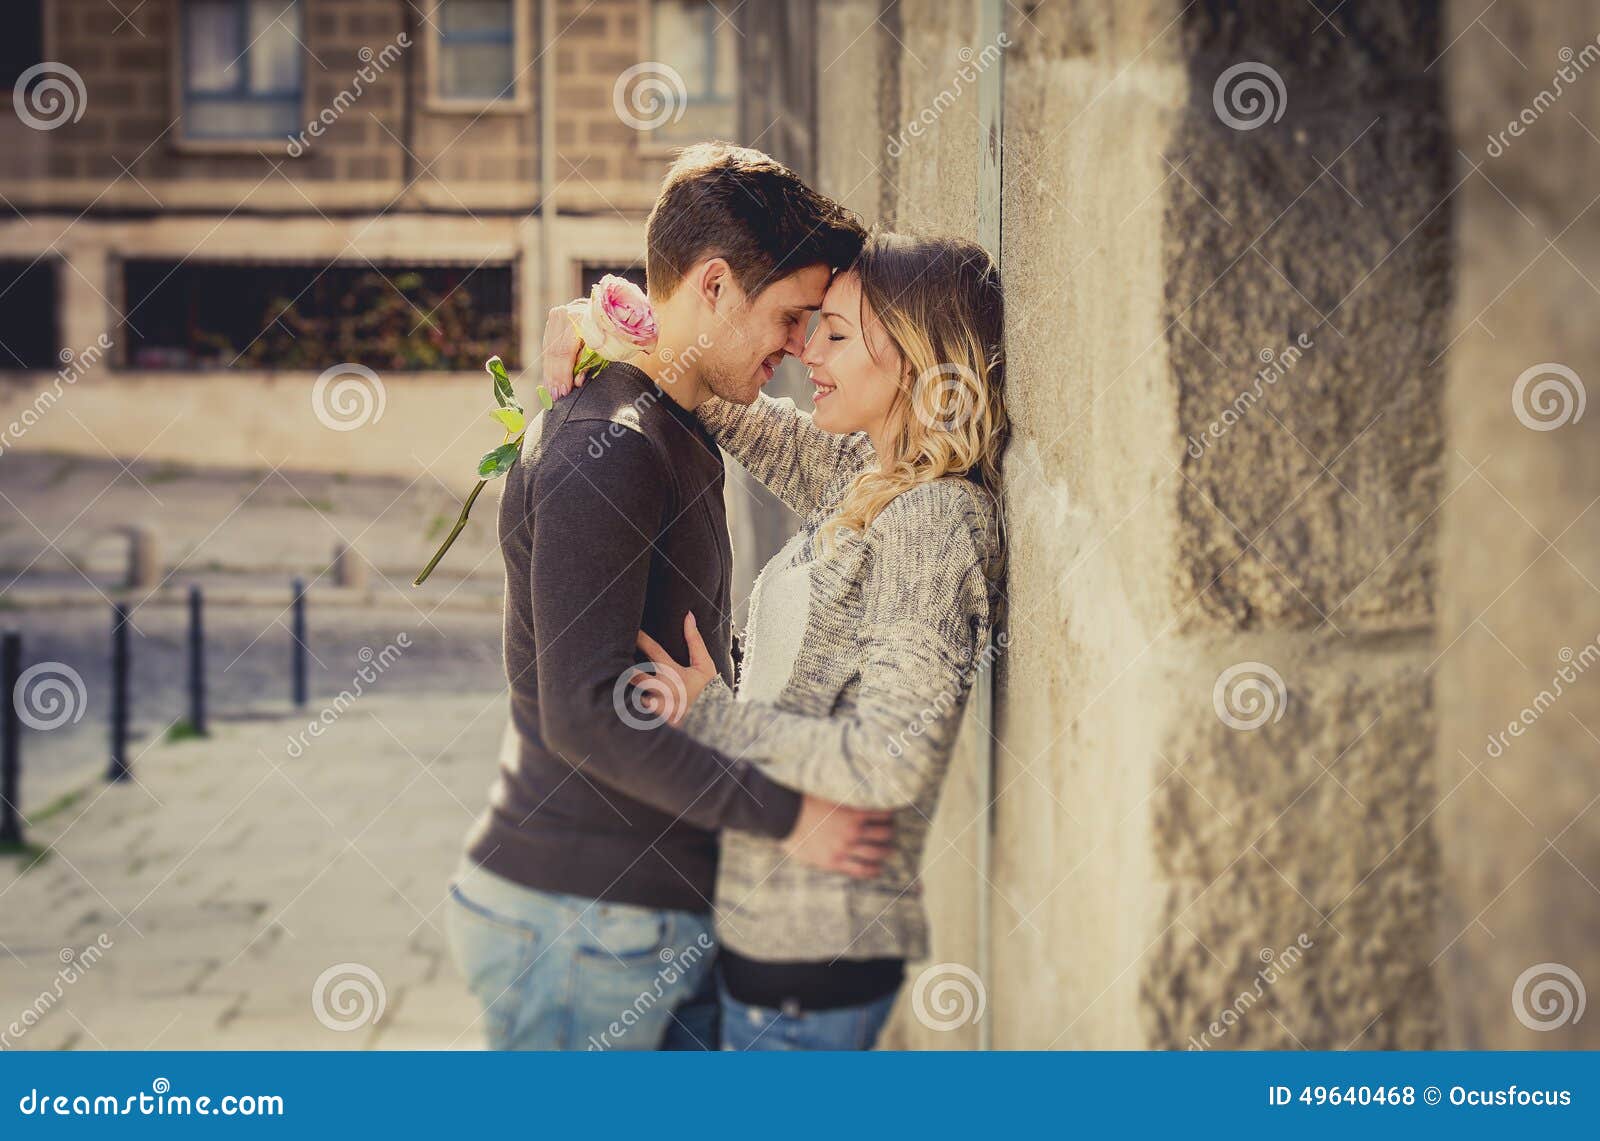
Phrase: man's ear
{"type": "Point", "coordinates": [711, 279]}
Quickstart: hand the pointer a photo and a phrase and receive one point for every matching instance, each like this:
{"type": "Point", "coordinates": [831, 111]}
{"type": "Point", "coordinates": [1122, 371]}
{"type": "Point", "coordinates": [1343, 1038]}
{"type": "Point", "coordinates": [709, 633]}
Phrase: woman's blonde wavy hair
{"type": "Point", "coordinates": [938, 301]}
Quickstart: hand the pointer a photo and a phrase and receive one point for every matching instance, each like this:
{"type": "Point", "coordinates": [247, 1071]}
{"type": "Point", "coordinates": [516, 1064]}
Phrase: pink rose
{"type": "Point", "coordinates": [617, 323]}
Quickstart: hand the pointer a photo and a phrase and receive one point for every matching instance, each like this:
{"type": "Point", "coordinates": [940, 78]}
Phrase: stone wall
{"type": "Point", "coordinates": [1519, 535]}
{"type": "Point", "coordinates": [1168, 872]}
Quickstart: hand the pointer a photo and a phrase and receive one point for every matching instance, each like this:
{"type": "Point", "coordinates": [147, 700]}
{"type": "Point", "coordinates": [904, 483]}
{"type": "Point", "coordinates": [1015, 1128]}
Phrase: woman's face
{"type": "Point", "coordinates": [852, 364]}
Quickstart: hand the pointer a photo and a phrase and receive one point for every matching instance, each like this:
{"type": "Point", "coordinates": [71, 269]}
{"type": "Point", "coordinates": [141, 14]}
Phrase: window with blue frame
{"type": "Point", "coordinates": [243, 69]}
{"type": "Point", "coordinates": [697, 39]}
{"type": "Point", "coordinates": [477, 50]}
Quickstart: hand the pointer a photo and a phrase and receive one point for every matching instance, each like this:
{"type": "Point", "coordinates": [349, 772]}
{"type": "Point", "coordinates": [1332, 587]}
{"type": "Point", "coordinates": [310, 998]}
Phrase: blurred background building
{"type": "Point", "coordinates": [1298, 490]}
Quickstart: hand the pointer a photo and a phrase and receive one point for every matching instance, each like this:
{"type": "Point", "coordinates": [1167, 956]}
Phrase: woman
{"type": "Point", "coordinates": [865, 631]}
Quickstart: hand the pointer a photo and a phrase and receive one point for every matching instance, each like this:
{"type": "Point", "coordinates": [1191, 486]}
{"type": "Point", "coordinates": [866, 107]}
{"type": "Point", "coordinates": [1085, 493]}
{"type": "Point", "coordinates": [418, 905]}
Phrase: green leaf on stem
{"type": "Point", "coordinates": [504, 395]}
{"type": "Point", "coordinates": [499, 461]}
{"type": "Point", "coordinates": [511, 419]}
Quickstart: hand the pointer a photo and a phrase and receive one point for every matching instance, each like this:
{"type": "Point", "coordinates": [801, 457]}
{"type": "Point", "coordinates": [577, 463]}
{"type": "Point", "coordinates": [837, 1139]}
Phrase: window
{"type": "Point", "coordinates": [476, 51]}
{"type": "Point", "coordinates": [392, 316]}
{"type": "Point", "coordinates": [697, 39]}
{"type": "Point", "coordinates": [29, 334]}
{"type": "Point", "coordinates": [243, 71]}
{"type": "Point", "coordinates": [590, 273]}
{"type": "Point", "coordinates": [23, 44]}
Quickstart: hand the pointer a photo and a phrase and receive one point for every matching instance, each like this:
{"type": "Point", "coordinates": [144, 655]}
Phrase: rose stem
{"type": "Point", "coordinates": [461, 521]}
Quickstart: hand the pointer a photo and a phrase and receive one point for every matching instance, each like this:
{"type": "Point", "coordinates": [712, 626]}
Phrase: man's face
{"type": "Point", "coordinates": [749, 338]}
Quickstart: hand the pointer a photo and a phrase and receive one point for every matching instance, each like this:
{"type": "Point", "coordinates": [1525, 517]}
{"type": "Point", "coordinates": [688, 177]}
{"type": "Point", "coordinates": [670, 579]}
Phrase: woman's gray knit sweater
{"type": "Point", "coordinates": [897, 627]}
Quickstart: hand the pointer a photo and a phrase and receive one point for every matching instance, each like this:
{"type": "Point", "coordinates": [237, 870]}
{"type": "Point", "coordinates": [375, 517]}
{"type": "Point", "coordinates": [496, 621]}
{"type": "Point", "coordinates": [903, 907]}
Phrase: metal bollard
{"type": "Point", "coordinates": [197, 663]}
{"type": "Point", "coordinates": [10, 742]}
{"type": "Point", "coordinates": [119, 693]}
{"type": "Point", "coordinates": [298, 661]}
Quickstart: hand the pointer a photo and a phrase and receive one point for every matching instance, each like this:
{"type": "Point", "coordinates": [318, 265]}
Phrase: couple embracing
{"type": "Point", "coordinates": [729, 857]}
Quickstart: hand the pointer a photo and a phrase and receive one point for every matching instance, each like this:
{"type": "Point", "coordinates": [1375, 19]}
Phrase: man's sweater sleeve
{"type": "Point", "coordinates": [595, 514]}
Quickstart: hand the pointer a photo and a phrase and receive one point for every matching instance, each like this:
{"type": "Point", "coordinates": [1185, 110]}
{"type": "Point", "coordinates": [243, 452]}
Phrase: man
{"type": "Point", "coordinates": [581, 916]}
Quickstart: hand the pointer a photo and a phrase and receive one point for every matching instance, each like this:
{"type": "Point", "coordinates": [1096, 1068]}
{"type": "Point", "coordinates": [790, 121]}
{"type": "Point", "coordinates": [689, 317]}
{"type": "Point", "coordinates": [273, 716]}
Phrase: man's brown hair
{"type": "Point", "coordinates": [721, 200]}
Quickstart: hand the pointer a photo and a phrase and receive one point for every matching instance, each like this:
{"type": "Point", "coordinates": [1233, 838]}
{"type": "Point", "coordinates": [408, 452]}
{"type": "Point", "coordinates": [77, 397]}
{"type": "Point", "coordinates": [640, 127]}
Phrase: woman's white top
{"type": "Point", "coordinates": [780, 605]}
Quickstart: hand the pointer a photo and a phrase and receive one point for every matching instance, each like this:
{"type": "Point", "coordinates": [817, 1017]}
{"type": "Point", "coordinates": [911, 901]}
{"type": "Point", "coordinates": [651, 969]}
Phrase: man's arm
{"type": "Point", "coordinates": [596, 512]}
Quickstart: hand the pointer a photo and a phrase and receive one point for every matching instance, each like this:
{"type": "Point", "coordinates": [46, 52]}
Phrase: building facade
{"type": "Point", "coordinates": [219, 201]}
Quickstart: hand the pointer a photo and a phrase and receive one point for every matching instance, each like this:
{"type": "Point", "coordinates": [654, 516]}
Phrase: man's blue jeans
{"type": "Point", "coordinates": [562, 972]}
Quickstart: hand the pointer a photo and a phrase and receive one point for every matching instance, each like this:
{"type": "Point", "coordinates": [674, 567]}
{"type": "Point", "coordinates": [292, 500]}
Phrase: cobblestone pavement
{"type": "Point", "coordinates": [198, 905]}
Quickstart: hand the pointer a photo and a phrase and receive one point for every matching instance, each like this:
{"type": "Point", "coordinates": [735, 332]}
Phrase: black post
{"type": "Point", "coordinates": [298, 662]}
{"type": "Point", "coordinates": [119, 693]}
{"type": "Point", "coordinates": [197, 664]}
{"type": "Point", "coordinates": [10, 742]}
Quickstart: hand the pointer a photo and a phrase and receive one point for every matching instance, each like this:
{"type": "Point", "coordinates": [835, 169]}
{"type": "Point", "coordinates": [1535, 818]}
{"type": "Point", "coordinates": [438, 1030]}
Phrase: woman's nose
{"type": "Point", "coordinates": [808, 349]}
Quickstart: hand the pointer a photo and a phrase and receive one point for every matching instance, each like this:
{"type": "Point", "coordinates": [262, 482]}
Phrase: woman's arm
{"type": "Point", "coordinates": [926, 612]}
{"type": "Point", "coordinates": [797, 461]}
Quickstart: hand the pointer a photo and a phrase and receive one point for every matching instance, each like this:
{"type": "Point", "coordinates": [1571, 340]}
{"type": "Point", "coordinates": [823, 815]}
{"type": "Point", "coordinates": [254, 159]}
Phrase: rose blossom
{"type": "Point", "coordinates": [618, 322]}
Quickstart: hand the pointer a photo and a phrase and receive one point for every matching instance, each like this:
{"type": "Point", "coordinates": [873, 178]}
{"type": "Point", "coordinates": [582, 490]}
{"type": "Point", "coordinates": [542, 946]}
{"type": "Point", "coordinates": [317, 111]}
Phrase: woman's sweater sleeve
{"type": "Point", "coordinates": [781, 447]}
{"type": "Point", "coordinates": [925, 609]}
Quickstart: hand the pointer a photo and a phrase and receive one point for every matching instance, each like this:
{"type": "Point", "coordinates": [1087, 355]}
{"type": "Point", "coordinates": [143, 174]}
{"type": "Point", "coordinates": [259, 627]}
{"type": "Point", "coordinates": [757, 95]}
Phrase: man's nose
{"type": "Point", "coordinates": [796, 344]}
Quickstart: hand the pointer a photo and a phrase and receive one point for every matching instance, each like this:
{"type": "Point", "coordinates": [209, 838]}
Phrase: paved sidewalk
{"type": "Point", "coordinates": [201, 903]}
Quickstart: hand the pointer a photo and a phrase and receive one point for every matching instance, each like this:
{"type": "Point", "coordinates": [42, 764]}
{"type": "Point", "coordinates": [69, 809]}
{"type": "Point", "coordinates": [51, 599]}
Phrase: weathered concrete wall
{"type": "Point", "coordinates": [1520, 545]}
{"type": "Point", "coordinates": [1156, 858]}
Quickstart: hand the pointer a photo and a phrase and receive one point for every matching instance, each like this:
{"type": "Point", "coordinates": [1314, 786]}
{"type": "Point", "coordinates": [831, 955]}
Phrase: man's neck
{"type": "Point", "coordinates": [678, 383]}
